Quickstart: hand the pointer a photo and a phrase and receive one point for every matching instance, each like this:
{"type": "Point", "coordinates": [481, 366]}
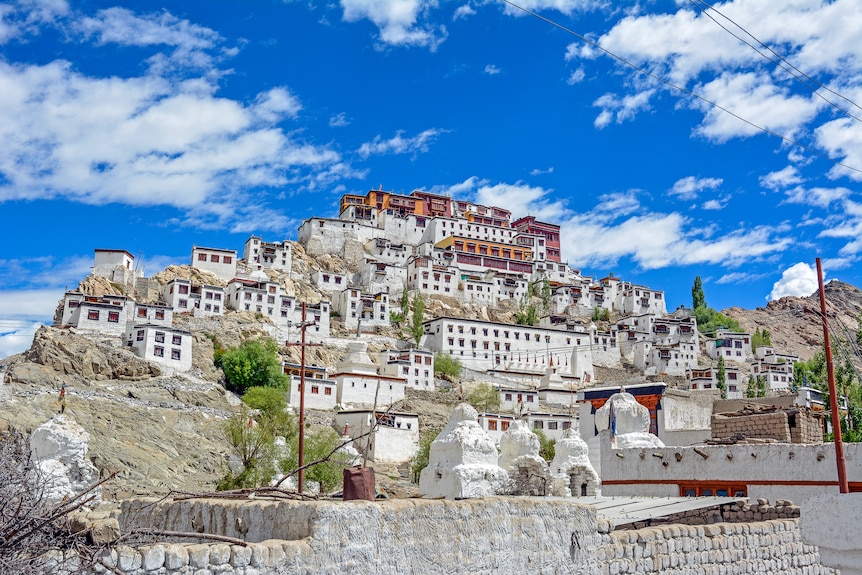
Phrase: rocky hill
{"type": "Point", "coordinates": [163, 432]}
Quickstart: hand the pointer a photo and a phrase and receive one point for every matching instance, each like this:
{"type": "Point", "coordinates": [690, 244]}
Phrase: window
{"type": "Point", "coordinates": [142, 312]}
{"type": "Point", "coordinates": [327, 391]}
{"type": "Point", "coordinates": [504, 425]}
{"type": "Point", "coordinates": [529, 399]}
{"type": "Point", "coordinates": [538, 424]}
{"type": "Point", "coordinates": [202, 257]}
{"type": "Point", "coordinates": [140, 335]}
{"type": "Point", "coordinates": [184, 303]}
{"type": "Point", "coordinates": [508, 397]}
{"type": "Point", "coordinates": [175, 354]}
{"type": "Point", "coordinates": [492, 425]}
{"type": "Point", "coordinates": [93, 315]}
{"type": "Point", "coordinates": [315, 389]}
{"type": "Point", "coordinates": [114, 316]}
{"type": "Point", "coordinates": [160, 314]}
{"type": "Point", "coordinates": [177, 340]}
{"type": "Point", "coordinates": [214, 258]}
{"type": "Point", "coordinates": [208, 295]}
{"type": "Point", "coordinates": [552, 425]}
{"type": "Point", "coordinates": [227, 259]}
{"type": "Point", "coordinates": [184, 289]}
{"type": "Point", "coordinates": [567, 425]}
{"type": "Point", "coordinates": [160, 337]}
{"type": "Point", "coordinates": [159, 351]}
{"type": "Point", "coordinates": [217, 296]}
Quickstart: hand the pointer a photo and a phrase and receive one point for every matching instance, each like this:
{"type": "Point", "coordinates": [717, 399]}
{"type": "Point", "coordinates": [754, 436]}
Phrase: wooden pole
{"type": "Point", "coordinates": [833, 394]}
{"type": "Point", "coordinates": [301, 478]}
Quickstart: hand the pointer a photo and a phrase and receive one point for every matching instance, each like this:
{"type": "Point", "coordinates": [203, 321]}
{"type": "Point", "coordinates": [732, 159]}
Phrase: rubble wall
{"type": "Point", "coordinates": [492, 535]}
{"type": "Point", "coordinates": [761, 426]}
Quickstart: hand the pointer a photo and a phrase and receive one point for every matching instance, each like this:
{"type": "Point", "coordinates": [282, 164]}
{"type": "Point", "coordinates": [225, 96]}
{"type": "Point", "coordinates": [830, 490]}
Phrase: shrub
{"type": "Point", "coordinates": [255, 363]}
{"type": "Point", "coordinates": [485, 398]}
{"type": "Point", "coordinates": [447, 366]}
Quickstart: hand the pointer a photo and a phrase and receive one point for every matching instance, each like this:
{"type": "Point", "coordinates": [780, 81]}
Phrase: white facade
{"type": "Point", "coordinates": [219, 262]}
{"type": "Point", "coordinates": [551, 424]}
{"type": "Point", "coordinates": [321, 236]}
{"type": "Point", "coordinates": [329, 281]}
{"type": "Point", "coordinates": [362, 310]}
{"type": "Point", "coordinates": [778, 376]}
{"type": "Point", "coordinates": [415, 366]}
{"type": "Point", "coordinates": [169, 347]}
{"type": "Point", "coordinates": [697, 378]}
{"type": "Point", "coordinates": [152, 314]}
{"type": "Point", "coordinates": [107, 314]}
{"type": "Point", "coordinates": [321, 391]}
{"type": "Point", "coordinates": [182, 297]}
{"type": "Point", "coordinates": [518, 400]}
{"type": "Point", "coordinates": [495, 424]}
{"type": "Point", "coordinates": [732, 346]}
{"type": "Point", "coordinates": [117, 266]}
{"type": "Point", "coordinates": [395, 439]}
{"type": "Point", "coordinates": [488, 345]}
{"type": "Point", "coordinates": [428, 278]}
{"type": "Point", "coordinates": [267, 298]}
{"type": "Point", "coordinates": [269, 255]}
{"type": "Point", "coordinates": [361, 389]}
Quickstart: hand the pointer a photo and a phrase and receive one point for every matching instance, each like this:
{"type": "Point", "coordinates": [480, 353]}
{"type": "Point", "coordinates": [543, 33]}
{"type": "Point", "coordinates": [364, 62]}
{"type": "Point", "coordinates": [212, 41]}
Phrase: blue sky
{"type": "Point", "coordinates": [151, 127]}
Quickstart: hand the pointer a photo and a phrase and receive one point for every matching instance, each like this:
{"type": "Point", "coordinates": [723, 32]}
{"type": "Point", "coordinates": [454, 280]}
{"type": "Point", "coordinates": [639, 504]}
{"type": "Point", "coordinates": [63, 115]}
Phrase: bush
{"type": "Point", "coordinates": [328, 474]}
{"type": "Point", "coordinates": [255, 363]}
{"type": "Point", "coordinates": [485, 398]}
{"type": "Point", "coordinates": [546, 446]}
{"type": "Point", "coordinates": [447, 366]}
{"type": "Point", "coordinates": [420, 461]}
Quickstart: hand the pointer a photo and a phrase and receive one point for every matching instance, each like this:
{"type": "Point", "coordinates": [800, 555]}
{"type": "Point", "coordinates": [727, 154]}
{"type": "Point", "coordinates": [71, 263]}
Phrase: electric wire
{"type": "Point", "coordinates": [697, 4]}
{"type": "Point", "coordinates": [679, 88]}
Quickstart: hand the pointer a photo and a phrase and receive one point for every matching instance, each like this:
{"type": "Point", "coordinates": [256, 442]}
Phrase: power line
{"type": "Point", "coordinates": [780, 59]}
{"type": "Point", "coordinates": [658, 78]}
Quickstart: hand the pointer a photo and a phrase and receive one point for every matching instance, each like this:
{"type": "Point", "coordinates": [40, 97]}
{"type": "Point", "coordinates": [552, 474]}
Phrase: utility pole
{"type": "Point", "coordinates": [301, 460]}
{"type": "Point", "coordinates": [833, 394]}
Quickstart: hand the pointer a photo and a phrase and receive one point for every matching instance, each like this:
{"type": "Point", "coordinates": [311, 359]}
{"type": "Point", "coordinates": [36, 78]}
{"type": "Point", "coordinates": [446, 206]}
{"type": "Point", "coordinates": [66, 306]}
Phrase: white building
{"type": "Point", "coordinates": [259, 295]}
{"type": "Point", "coordinates": [321, 391]}
{"type": "Point", "coordinates": [169, 347]}
{"type": "Point", "coordinates": [778, 376]}
{"type": "Point", "coordinates": [495, 424]}
{"type": "Point", "coordinates": [117, 266]}
{"type": "Point", "coordinates": [219, 262]}
{"type": "Point", "coordinates": [97, 315]}
{"type": "Point", "coordinates": [269, 255]}
{"type": "Point", "coordinates": [363, 310]}
{"type": "Point", "coordinates": [415, 366]}
{"type": "Point", "coordinates": [155, 314]}
{"type": "Point", "coordinates": [707, 378]}
{"type": "Point", "coordinates": [183, 297]}
{"type": "Point", "coordinates": [329, 281]}
{"type": "Point", "coordinates": [395, 438]}
{"type": "Point", "coordinates": [428, 278]}
{"type": "Point", "coordinates": [733, 346]}
{"type": "Point", "coordinates": [551, 424]}
{"type": "Point", "coordinates": [359, 383]}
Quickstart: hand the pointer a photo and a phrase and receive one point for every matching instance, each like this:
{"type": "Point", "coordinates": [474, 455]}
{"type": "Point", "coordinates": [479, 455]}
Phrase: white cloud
{"type": "Point", "coordinates": [397, 20]}
{"type": "Point", "coordinates": [783, 178]}
{"type": "Point", "coordinates": [339, 120]}
{"type": "Point", "coordinates": [492, 70]}
{"type": "Point", "coordinates": [142, 140]}
{"type": "Point", "coordinates": [576, 77]}
{"type": "Point", "coordinates": [398, 144]}
{"type": "Point", "coordinates": [798, 280]}
{"type": "Point", "coordinates": [689, 187]}
{"type": "Point", "coordinates": [621, 109]}
{"type": "Point", "coordinates": [820, 197]}
{"type": "Point", "coordinates": [822, 38]}
{"type": "Point", "coordinates": [567, 7]}
{"type": "Point", "coordinates": [463, 12]}
{"type": "Point", "coordinates": [538, 172]}
{"type": "Point", "coordinates": [16, 336]}
{"type": "Point", "coordinates": [30, 304]}
{"type": "Point", "coordinates": [738, 278]}
{"type": "Point", "coordinates": [124, 27]}
{"type": "Point", "coordinates": [714, 204]}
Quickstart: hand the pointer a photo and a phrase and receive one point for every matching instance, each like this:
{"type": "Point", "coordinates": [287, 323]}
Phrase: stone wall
{"type": "Point", "coordinates": [492, 535]}
{"type": "Point", "coordinates": [761, 426]}
{"type": "Point", "coordinates": [806, 427]}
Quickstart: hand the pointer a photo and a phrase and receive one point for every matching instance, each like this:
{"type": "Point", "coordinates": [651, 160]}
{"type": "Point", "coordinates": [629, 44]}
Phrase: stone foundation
{"type": "Point", "coordinates": [492, 535]}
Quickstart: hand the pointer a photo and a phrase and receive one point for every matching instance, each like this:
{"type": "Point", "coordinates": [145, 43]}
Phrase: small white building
{"type": "Point", "coordinates": [733, 346]}
{"type": "Point", "coordinates": [106, 315]}
{"type": "Point", "coordinates": [495, 424]}
{"type": "Point", "coordinates": [551, 424]}
{"type": "Point", "coordinates": [183, 297]}
{"type": "Point", "coordinates": [359, 383]}
{"type": "Point", "coordinates": [220, 262]}
{"type": "Point", "coordinates": [428, 278]}
{"type": "Point", "coordinates": [364, 310]}
{"type": "Point", "coordinates": [208, 300]}
{"type": "Point", "coordinates": [321, 391]}
{"type": "Point", "coordinates": [415, 366]}
{"type": "Point", "coordinates": [117, 266]}
{"type": "Point", "coordinates": [778, 376]}
{"type": "Point", "coordinates": [395, 438]}
{"type": "Point", "coordinates": [329, 281]}
{"type": "Point", "coordinates": [169, 347]}
{"type": "Point", "coordinates": [155, 314]}
{"type": "Point", "coordinates": [699, 378]}
{"type": "Point", "coordinates": [518, 400]}
{"type": "Point", "coordinates": [269, 255]}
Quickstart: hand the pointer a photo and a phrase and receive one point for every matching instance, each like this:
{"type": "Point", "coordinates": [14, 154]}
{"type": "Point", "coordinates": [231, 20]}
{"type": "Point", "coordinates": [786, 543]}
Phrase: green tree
{"type": "Point", "coordinates": [485, 398]}
{"type": "Point", "coordinates": [751, 388]}
{"type": "Point", "coordinates": [601, 314]}
{"type": "Point", "coordinates": [418, 330]}
{"type": "Point", "coordinates": [721, 377]}
{"type": "Point", "coordinates": [252, 440]}
{"type": "Point", "coordinates": [255, 363]}
{"type": "Point", "coordinates": [761, 386]}
{"type": "Point", "coordinates": [319, 443]}
{"type": "Point", "coordinates": [760, 338]}
{"type": "Point", "coordinates": [546, 446]}
{"type": "Point", "coordinates": [405, 300]}
{"type": "Point", "coordinates": [447, 366]}
{"type": "Point", "coordinates": [272, 405]}
{"type": "Point", "coordinates": [527, 313]}
{"type": "Point", "coordinates": [698, 299]}
{"type": "Point", "coordinates": [420, 461]}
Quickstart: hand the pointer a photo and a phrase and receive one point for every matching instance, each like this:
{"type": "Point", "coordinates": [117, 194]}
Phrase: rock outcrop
{"type": "Point", "coordinates": [59, 448]}
{"type": "Point", "coordinates": [64, 353]}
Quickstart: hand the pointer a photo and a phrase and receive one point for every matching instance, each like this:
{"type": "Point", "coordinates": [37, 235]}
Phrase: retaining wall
{"type": "Point", "coordinates": [492, 535]}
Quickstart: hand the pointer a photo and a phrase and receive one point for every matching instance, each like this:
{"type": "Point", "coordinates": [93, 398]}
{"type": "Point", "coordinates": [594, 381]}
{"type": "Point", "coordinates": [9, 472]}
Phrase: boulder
{"type": "Point", "coordinates": [59, 448]}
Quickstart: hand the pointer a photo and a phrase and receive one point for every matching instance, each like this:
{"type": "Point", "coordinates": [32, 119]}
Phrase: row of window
{"type": "Point", "coordinates": [159, 351]}
{"type": "Point", "coordinates": [202, 257]}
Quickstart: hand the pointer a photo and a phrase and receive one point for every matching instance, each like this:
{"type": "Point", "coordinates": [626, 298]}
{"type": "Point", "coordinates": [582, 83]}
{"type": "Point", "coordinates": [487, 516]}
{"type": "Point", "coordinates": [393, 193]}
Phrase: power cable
{"type": "Point", "coordinates": [679, 88]}
{"type": "Point", "coordinates": [780, 58]}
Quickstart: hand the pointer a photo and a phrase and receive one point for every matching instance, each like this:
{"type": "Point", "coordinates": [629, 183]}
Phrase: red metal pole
{"type": "Point", "coordinates": [301, 462]}
{"type": "Point", "coordinates": [833, 394]}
